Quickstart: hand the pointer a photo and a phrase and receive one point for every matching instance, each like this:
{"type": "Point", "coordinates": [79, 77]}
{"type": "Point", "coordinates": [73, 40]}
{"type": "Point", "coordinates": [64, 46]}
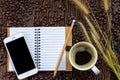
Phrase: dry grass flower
{"type": "Point", "coordinates": [82, 6]}
{"type": "Point", "coordinates": [106, 4]}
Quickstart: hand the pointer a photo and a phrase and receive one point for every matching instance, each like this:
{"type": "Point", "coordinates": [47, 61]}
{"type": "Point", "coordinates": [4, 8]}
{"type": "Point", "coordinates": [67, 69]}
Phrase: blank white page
{"type": "Point", "coordinates": [51, 42]}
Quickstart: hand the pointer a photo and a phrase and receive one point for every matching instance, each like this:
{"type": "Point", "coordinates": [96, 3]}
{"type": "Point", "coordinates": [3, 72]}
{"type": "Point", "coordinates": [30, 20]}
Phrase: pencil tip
{"type": "Point", "coordinates": [54, 76]}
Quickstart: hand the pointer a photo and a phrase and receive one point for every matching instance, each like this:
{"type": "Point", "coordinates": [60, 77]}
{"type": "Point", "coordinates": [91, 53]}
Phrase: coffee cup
{"type": "Point", "coordinates": [83, 56]}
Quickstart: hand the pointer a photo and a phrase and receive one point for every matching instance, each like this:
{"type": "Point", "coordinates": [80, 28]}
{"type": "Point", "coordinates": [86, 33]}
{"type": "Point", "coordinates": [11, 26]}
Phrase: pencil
{"type": "Point", "coordinates": [63, 49]}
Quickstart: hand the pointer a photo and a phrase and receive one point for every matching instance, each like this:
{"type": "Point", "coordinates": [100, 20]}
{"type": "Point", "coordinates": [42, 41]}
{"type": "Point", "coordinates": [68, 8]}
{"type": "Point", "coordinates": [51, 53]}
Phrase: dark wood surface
{"type": "Point", "coordinates": [17, 13]}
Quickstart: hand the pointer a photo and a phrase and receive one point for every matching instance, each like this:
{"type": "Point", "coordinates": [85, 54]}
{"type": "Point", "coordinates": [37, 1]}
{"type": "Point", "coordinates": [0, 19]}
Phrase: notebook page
{"type": "Point", "coordinates": [29, 37]}
{"type": "Point", "coordinates": [51, 42]}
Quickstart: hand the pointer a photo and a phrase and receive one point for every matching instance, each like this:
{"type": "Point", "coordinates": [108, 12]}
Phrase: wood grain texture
{"type": "Point", "coordinates": [55, 13]}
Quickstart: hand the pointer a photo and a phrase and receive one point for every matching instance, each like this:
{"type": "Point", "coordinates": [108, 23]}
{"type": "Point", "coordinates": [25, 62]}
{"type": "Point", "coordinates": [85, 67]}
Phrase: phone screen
{"type": "Point", "coordinates": [20, 55]}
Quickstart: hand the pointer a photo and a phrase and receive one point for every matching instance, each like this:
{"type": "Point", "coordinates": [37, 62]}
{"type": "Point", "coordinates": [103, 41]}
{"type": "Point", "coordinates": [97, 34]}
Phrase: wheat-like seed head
{"type": "Point", "coordinates": [106, 4]}
{"type": "Point", "coordinates": [81, 6]}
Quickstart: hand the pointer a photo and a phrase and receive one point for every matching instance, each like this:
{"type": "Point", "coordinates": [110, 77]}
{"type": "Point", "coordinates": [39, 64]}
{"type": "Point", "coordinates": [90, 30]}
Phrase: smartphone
{"type": "Point", "coordinates": [20, 55]}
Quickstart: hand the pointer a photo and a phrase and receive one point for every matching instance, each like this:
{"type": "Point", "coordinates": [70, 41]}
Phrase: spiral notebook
{"type": "Point", "coordinates": [45, 44]}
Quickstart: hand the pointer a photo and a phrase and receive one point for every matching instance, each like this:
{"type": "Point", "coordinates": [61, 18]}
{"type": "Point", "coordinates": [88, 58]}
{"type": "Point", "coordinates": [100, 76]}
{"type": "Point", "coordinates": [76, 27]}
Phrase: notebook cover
{"type": "Point", "coordinates": [8, 34]}
{"type": "Point", "coordinates": [68, 65]}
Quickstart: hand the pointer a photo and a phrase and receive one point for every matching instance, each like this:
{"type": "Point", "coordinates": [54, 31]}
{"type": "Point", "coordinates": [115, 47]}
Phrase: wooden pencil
{"type": "Point", "coordinates": [63, 49]}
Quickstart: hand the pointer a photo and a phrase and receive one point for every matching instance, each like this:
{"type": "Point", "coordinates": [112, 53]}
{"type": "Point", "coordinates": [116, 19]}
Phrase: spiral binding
{"type": "Point", "coordinates": [37, 48]}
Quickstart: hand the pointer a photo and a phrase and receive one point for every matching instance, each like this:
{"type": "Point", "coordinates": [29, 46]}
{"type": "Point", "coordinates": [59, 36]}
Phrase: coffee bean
{"type": "Point", "coordinates": [60, 6]}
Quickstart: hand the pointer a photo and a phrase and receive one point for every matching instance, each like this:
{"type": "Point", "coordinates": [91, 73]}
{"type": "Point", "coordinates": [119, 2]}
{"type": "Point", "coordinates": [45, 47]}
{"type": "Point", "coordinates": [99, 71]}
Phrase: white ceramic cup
{"type": "Point", "coordinates": [84, 46]}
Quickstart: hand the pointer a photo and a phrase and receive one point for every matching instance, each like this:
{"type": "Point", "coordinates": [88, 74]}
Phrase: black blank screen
{"type": "Point", "coordinates": [20, 55]}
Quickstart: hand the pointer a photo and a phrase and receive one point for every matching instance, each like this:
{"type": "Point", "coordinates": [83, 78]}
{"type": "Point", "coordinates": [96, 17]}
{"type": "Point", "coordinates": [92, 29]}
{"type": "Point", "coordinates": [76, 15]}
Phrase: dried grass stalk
{"type": "Point", "coordinates": [81, 6]}
{"type": "Point", "coordinates": [106, 7]}
{"type": "Point", "coordinates": [99, 47]}
{"type": "Point", "coordinates": [106, 4]}
{"type": "Point", "coordinates": [91, 26]}
{"type": "Point", "coordinates": [85, 32]}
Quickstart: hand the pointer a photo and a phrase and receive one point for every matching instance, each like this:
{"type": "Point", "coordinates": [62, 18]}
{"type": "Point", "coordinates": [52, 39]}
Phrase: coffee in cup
{"type": "Point", "coordinates": [83, 56]}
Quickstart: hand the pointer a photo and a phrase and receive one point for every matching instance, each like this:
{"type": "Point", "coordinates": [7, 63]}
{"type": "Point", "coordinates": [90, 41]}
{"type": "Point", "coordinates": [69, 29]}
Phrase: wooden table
{"type": "Point", "coordinates": [54, 13]}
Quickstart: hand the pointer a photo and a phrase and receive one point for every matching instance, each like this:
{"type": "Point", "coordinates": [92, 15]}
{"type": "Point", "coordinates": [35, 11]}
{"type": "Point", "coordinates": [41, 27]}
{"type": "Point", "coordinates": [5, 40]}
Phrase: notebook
{"type": "Point", "coordinates": [45, 44]}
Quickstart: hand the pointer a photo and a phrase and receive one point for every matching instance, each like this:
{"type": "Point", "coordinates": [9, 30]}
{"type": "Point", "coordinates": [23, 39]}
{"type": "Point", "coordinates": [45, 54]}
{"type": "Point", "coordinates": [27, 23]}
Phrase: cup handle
{"type": "Point", "coordinates": [95, 70]}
